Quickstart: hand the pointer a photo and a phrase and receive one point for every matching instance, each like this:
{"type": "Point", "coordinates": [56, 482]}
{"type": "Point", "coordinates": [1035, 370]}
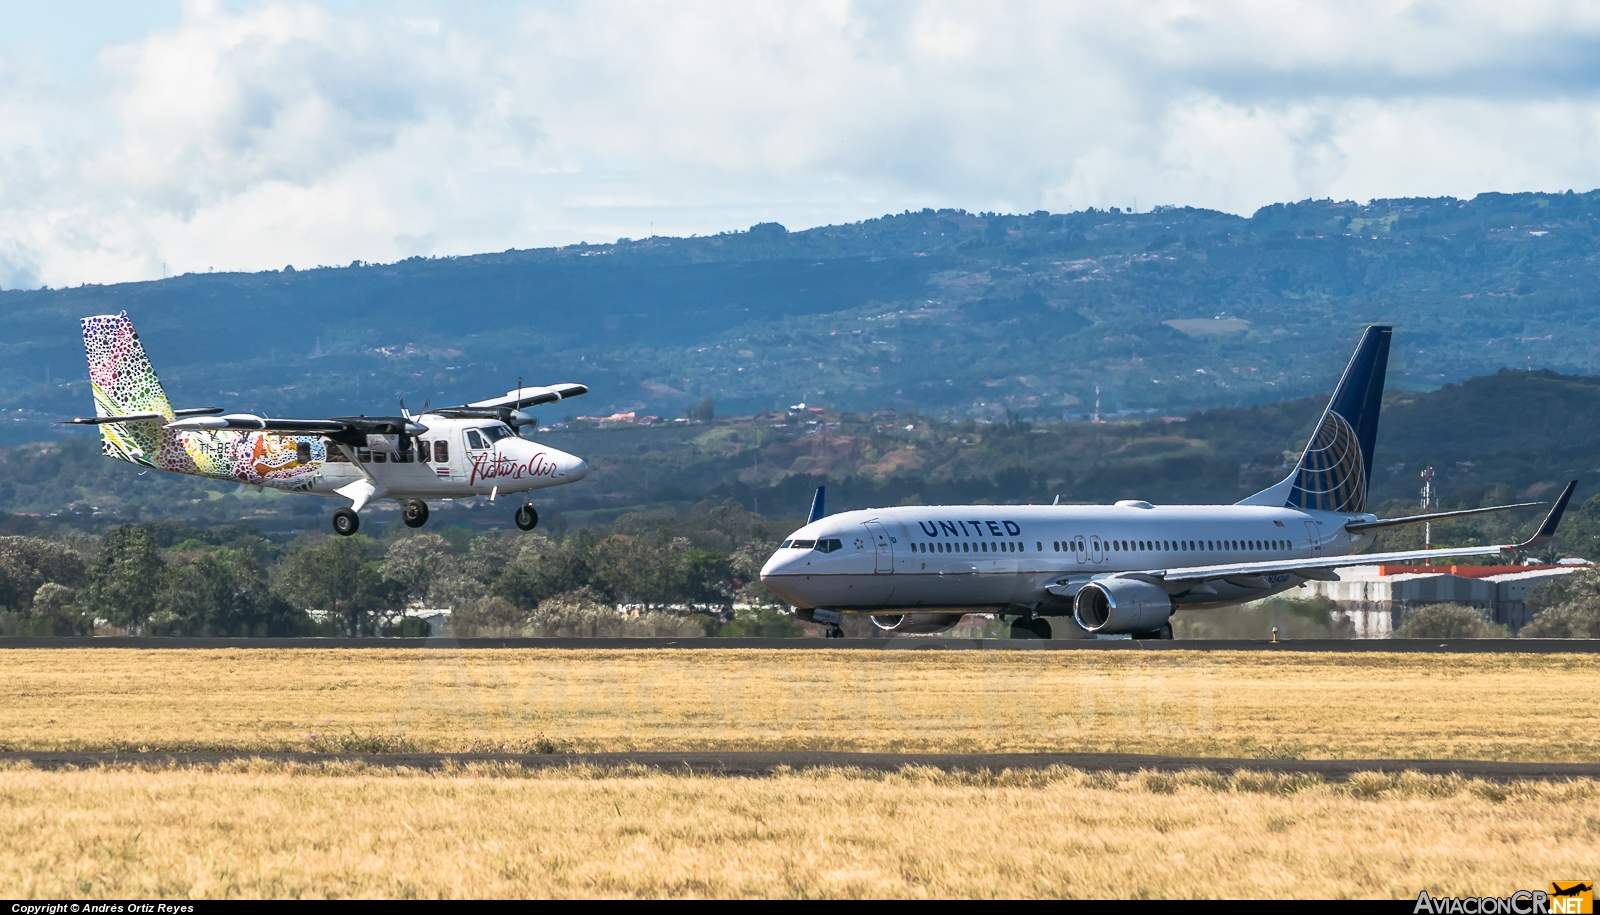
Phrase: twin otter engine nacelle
{"type": "Point", "coordinates": [915, 622]}
{"type": "Point", "coordinates": [1118, 605]}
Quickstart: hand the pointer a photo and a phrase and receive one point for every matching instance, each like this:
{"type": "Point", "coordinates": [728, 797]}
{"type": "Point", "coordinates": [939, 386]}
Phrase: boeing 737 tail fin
{"type": "Point", "coordinates": [124, 385]}
{"type": "Point", "coordinates": [1335, 468]}
{"type": "Point", "coordinates": [817, 511]}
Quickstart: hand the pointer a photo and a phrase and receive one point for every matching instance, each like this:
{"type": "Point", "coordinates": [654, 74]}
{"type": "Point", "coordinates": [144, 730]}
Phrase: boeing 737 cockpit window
{"type": "Point", "coordinates": [424, 451]}
{"type": "Point", "coordinates": [496, 433]}
{"type": "Point", "coordinates": [829, 546]}
{"type": "Point", "coordinates": [802, 544]}
{"type": "Point", "coordinates": [473, 441]}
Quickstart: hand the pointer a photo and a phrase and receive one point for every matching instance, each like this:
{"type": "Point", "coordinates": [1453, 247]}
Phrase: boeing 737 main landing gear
{"type": "Point", "coordinates": [1036, 628]}
{"type": "Point", "coordinates": [346, 522]}
{"type": "Point", "coordinates": [527, 519]}
{"type": "Point", "coordinates": [834, 632]}
{"type": "Point", "coordinates": [1165, 632]}
{"type": "Point", "coordinates": [414, 512]}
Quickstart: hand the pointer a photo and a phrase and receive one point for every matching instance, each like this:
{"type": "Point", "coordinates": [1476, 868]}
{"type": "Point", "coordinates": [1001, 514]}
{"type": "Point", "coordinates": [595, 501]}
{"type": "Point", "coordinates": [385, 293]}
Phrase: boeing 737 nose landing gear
{"type": "Point", "coordinates": [414, 512]}
{"type": "Point", "coordinates": [346, 522]}
{"type": "Point", "coordinates": [527, 519]}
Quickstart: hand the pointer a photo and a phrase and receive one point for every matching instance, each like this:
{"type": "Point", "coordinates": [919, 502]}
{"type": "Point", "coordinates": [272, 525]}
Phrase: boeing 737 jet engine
{"type": "Point", "coordinates": [1121, 605]}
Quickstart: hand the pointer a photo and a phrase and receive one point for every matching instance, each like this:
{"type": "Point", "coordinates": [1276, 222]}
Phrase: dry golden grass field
{"type": "Point", "coordinates": [256, 829]}
{"type": "Point", "coordinates": [1465, 706]}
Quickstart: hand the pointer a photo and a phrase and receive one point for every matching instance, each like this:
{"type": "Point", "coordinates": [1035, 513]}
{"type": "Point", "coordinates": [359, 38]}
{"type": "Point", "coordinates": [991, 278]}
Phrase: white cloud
{"type": "Point", "coordinates": [293, 133]}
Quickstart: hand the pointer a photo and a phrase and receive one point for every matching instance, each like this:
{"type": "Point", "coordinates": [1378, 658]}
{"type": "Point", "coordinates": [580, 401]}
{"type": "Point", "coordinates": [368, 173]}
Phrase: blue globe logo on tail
{"type": "Point", "coordinates": [1332, 474]}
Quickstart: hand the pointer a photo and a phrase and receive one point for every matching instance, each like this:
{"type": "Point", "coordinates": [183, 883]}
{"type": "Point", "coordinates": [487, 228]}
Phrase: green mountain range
{"type": "Point", "coordinates": [944, 313]}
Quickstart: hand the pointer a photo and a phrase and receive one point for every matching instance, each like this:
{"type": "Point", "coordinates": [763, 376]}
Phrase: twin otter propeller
{"type": "Point", "coordinates": [455, 452]}
{"type": "Point", "coordinates": [1120, 569]}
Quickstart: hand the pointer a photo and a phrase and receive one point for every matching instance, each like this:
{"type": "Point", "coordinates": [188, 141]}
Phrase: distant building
{"type": "Point", "coordinates": [1375, 598]}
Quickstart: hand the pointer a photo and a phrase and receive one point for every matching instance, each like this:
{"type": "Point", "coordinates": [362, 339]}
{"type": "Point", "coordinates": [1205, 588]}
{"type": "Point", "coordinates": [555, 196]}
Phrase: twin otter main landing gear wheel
{"type": "Point", "coordinates": [527, 519]}
{"type": "Point", "coordinates": [414, 512]}
{"type": "Point", "coordinates": [346, 522]}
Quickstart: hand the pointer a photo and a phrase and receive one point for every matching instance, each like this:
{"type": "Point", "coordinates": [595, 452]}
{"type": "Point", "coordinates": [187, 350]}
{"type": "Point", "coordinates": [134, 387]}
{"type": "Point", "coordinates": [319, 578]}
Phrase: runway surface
{"type": "Point", "coordinates": [765, 763]}
{"type": "Point", "coordinates": [1436, 646]}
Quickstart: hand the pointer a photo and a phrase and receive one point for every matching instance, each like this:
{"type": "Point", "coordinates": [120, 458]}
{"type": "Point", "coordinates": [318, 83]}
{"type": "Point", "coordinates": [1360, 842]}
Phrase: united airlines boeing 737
{"type": "Point", "coordinates": [1116, 569]}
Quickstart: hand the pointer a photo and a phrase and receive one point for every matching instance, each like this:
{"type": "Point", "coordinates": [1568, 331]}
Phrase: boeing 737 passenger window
{"type": "Point", "coordinates": [364, 455]}
{"type": "Point", "coordinates": [302, 452]}
{"type": "Point", "coordinates": [441, 452]}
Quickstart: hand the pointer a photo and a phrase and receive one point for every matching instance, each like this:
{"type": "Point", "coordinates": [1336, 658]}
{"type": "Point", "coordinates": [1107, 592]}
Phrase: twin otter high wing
{"type": "Point", "coordinates": [449, 453]}
{"type": "Point", "coordinates": [1122, 568]}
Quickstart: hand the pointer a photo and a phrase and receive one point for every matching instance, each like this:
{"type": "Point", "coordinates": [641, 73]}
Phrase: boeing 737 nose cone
{"type": "Point", "coordinates": [577, 470]}
{"type": "Point", "coordinates": [784, 585]}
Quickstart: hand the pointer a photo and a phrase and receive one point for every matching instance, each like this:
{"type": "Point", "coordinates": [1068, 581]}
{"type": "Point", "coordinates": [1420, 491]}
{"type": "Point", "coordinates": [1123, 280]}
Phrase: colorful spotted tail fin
{"type": "Point", "coordinates": [124, 384]}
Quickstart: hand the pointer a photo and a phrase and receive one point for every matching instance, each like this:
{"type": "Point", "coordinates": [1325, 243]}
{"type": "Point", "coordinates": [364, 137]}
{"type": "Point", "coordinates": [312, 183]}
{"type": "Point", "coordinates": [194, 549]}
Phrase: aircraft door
{"type": "Point", "coordinates": [1314, 532]}
{"type": "Point", "coordinates": [883, 544]}
{"type": "Point", "coordinates": [1097, 549]}
{"type": "Point", "coordinates": [1079, 551]}
{"type": "Point", "coordinates": [476, 453]}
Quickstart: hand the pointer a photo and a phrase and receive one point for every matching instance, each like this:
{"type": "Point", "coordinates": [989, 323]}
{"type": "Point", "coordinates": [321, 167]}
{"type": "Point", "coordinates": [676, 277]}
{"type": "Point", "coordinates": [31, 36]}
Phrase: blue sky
{"type": "Point", "coordinates": [248, 135]}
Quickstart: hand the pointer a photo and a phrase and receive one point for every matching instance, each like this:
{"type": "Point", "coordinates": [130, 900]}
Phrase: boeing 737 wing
{"type": "Point", "coordinates": [1301, 567]}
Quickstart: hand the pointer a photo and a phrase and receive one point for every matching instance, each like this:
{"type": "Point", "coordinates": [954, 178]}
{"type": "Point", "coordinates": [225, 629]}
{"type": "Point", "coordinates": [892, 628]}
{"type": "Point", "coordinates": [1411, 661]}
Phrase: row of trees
{"type": "Point", "coordinates": [673, 575]}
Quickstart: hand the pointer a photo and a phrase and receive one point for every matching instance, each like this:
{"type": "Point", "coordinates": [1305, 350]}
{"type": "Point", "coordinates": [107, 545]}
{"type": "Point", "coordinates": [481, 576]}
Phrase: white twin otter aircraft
{"type": "Point", "coordinates": [1118, 569]}
{"type": "Point", "coordinates": [449, 453]}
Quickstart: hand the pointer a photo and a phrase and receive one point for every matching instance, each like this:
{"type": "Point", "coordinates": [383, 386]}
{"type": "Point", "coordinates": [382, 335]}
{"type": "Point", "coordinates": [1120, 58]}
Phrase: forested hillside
{"type": "Point", "coordinates": [946, 313]}
{"type": "Point", "coordinates": [1501, 437]}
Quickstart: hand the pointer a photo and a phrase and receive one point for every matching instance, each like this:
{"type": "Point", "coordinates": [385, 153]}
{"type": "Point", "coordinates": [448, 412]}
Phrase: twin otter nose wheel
{"type": "Point", "coordinates": [527, 519]}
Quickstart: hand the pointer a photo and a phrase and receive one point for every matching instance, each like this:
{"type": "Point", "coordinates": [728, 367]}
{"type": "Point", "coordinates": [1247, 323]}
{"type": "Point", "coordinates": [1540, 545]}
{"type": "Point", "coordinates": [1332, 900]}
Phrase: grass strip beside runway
{"type": "Point", "coordinates": [1536, 708]}
{"type": "Point", "coordinates": [252, 829]}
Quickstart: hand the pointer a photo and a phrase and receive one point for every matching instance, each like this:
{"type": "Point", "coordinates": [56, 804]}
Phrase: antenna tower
{"type": "Point", "coordinates": [1427, 506]}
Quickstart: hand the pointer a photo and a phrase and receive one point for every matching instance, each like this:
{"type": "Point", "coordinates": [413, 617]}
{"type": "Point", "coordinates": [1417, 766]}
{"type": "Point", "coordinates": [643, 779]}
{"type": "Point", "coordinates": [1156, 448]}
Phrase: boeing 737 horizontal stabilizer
{"type": "Point", "coordinates": [1546, 532]}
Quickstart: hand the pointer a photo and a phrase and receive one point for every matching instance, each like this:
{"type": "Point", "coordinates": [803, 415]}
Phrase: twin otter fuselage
{"type": "Point", "coordinates": [455, 458]}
